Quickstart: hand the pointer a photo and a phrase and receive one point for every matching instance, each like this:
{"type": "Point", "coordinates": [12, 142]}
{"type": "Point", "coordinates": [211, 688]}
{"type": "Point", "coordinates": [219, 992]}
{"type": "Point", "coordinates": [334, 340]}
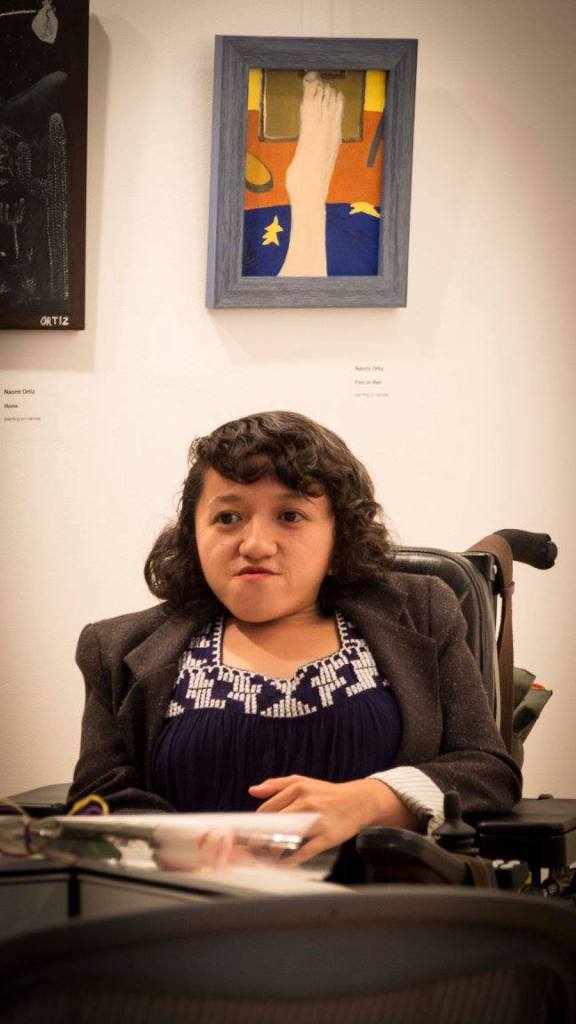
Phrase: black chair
{"type": "Point", "coordinates": [409, 955]}
{"type": "Point", "coordinates": [540, 832]}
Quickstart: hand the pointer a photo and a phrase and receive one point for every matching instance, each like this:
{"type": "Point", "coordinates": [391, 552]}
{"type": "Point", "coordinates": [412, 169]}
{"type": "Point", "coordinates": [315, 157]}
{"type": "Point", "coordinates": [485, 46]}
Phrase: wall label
{"type": "Point", "coordinates": [368, 381]}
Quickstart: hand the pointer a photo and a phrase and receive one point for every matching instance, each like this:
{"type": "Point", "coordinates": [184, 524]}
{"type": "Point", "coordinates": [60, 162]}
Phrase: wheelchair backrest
{"type": "Point", "coordinates": [471, 575]}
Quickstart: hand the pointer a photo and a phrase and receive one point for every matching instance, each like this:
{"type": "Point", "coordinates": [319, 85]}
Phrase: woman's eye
{"type": "Point", "coordinates": [227, 518]}
{"type": "Point", "coordinates": [291, 516]}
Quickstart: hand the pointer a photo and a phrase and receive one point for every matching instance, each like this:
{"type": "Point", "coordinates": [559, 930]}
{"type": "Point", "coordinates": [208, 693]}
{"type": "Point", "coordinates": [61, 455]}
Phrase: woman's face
{"type": "Point", "coordinates": [263, 548]}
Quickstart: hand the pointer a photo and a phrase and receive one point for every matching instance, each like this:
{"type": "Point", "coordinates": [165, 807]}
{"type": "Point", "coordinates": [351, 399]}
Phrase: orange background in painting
{"type": "Point", "coordinates": [352, 181]}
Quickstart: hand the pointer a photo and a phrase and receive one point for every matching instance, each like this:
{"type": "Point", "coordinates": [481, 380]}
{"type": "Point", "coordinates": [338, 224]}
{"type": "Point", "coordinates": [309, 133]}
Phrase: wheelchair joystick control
{"type": "Point", "coordinates": [454, 835]}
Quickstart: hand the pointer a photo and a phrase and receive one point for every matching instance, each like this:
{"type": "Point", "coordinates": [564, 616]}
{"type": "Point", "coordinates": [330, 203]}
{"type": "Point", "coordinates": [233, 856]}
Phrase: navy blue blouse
{"type": "Point", "coordinates": [227, 729]}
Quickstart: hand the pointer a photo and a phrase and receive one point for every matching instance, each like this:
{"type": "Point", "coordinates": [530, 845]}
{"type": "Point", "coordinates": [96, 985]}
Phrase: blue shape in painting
{"type": "Point", "coordinates": [351, 242]}
{"type": "Point", "coordinates": [260, 260]}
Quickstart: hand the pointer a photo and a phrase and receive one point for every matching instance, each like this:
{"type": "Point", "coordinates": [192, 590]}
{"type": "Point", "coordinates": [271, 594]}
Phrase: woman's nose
{"type": "Point", "coordinates": [257, 541]}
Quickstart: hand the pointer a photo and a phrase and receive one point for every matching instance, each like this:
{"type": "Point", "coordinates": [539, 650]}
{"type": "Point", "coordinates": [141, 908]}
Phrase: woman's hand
{"type": "Point", "coordinates": [345, 808]}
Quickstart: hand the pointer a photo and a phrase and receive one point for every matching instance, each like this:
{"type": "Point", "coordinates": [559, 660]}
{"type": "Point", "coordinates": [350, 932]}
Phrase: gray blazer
{"type": "Point", "coordinates": [416, 632]}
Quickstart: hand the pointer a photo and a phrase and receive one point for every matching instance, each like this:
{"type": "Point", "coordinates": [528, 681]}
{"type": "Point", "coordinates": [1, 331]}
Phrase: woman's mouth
{"type": "Point", "coordinates": [255, 572]}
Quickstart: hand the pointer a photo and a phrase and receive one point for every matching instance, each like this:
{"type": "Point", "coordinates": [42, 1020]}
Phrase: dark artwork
{"type": "Point", "coordinates": [43, 99]}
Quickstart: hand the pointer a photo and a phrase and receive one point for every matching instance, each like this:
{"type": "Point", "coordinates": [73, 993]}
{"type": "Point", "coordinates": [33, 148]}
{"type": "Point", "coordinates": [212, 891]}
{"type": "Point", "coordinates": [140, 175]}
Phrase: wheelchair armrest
{"type": "Point", "coordinates": [541, 832]}
{"type": "Point", "coordinates": [43, 800]}
{"type": "Point", "coordinates": [397, 855]}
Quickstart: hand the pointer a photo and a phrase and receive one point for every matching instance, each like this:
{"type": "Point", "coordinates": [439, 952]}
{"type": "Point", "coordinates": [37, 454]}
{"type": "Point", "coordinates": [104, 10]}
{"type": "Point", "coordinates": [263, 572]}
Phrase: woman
{"type": "Point", "coordinates": [289, 668]}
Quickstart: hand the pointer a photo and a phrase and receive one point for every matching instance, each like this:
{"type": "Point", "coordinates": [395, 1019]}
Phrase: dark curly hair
{"type": "Point", "coordinates": [305, 457]}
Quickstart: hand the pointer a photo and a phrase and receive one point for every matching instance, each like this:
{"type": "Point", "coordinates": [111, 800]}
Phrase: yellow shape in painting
{"type": "Point", "coordinates": [375, 90]}
{"type": "Point", "coordinates": [367, 208]}
{"type": "Point", "coordinates": [254, 88]}
{"type": "Point", "coordinates": [271, 233]}
{"type": "Point", "coordinates": [258, 177]}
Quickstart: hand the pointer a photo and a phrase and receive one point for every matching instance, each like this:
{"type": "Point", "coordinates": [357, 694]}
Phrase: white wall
{"type": "Point", "coordinates": [477, 431]}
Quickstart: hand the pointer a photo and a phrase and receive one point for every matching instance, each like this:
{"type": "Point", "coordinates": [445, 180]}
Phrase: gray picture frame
{"type": "Point", "coordinates": [234, 56]}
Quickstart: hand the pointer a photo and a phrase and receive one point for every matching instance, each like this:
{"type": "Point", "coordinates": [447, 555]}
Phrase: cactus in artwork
{"type": "Point", "coordinates": [23, 162]}
{"type": "Point", "coordinates": [57, 208]}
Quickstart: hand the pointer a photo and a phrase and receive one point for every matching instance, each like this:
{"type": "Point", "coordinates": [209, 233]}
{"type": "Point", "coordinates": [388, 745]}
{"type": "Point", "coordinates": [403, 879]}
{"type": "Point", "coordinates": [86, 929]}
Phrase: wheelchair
{"type": "Point", "coordinates": [532, 849]}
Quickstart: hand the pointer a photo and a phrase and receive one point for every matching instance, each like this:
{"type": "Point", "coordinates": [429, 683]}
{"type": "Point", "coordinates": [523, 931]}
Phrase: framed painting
{"type": "Point", "coordinates": [43, 105]}
{"type": "Point", "coordinates": [311, 171]}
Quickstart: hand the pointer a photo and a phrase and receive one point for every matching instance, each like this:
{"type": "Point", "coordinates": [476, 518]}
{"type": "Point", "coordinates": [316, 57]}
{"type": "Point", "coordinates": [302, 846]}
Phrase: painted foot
{"type": "Point", "coordinates": [308, 177]}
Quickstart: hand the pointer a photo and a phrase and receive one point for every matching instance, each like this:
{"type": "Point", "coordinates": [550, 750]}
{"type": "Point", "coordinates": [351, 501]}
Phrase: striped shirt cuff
{"type": "Point", "coordinates": [422, 796]}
